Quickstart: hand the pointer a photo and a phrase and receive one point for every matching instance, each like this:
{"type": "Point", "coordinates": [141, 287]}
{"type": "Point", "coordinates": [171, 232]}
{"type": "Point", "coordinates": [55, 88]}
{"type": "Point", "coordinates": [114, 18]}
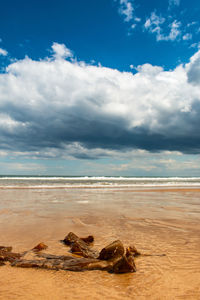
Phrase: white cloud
{"type": "Point", "coordinates": [195, 45]}
{"type": "Point", "coordinates": [126, 9]}
{"type": "Point", "coordinates": [3, 153]}
{"type": "Point", "coordinates": [174, 32]}
{"type": "Point", "coordinates": [61, 51]}
{"type": "Point", "coordinates": [137, 19]}
{"type": "Point", "coordinates": [193, 69]}
{"type": "Point", "coordinates": [165, 26]}
{"type": "Point", "coordinates": [133, 26]}
{"type": "Point", "coordinates": [192, 24]}
{"type": "Point", "coordinates": [143, 162]}
{"type": "Point", "coordinates": [61, 107]}
{"type": "Point", "coordinates": [154, 24]}
{"type": "Point", "coordinates": [187, 36]}
{"type": "Point", "coordinates": [3, 52]}
{"type": "Point", "coordinates": [22, 167]}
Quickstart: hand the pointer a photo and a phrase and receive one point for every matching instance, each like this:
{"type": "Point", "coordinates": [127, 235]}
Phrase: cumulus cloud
{"type": "Point", "coordinates": [57, 106]}
{"type": "Point", "coordinates": [3, 52]}
{"type": "Point", "coordinates": [61, 51]}
{"type": "Point", "coordinates": [193, 69]}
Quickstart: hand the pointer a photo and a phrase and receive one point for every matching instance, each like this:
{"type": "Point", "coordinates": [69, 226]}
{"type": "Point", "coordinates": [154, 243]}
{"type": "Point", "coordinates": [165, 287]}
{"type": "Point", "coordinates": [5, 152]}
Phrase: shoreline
{"type": "Point", "coordinates": [157, 188]}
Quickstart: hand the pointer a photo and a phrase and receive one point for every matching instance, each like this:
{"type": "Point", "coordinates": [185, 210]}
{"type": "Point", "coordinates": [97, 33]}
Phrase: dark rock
{"type": "Point", "coordinates": [112, 258]}
{"type": "Point", "coordinates": [70, 238]}
{"type": "Point", "coordinates": [112, 250]}
{"type": "Point", "coordinates": [79, 247]}
{"type": "Point", "coordinates": [6, 249]}
{"type": "Point", "coordinates": [124, 265]}
{"type": "Point", "coordinates": [89, 239]}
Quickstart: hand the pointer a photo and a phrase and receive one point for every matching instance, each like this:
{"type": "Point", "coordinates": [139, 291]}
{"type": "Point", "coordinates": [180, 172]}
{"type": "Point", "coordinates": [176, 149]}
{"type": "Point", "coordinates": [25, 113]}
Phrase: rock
{"type": "Point", "coordinates": [112, 258]}
{"type": "Point", "coordinates": [112, 250]}
{"type": "Point", "coordinates": [133, 251]}
{"type": "Point", "coordinates": [72, 237]}
{"type": "Point", "coordinates": [40, 247]}
{"type": "Point", "coordinates": [88, 240]}
{"type": "Point", "coordinates": [79, 246]}
{"type": "Point", "coordinates": [124, 265]}
{"type": "Point", "coordinates": [6, 249]}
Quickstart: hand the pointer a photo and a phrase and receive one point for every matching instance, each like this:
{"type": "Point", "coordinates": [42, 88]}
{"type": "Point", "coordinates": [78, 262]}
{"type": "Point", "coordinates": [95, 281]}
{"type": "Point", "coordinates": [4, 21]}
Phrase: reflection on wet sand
{"type": "Point", "coordinates": [155, 221]}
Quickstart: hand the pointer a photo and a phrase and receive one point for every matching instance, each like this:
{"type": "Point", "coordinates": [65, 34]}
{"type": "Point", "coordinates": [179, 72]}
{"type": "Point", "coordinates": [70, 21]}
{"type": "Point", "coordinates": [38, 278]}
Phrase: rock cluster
{"type": "Point", "coordinates": [113, 258]}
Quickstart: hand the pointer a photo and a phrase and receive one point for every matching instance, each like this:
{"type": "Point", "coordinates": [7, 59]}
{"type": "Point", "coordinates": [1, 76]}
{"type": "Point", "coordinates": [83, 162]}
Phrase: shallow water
{"type": "Point", "coordinates": [155, 221]}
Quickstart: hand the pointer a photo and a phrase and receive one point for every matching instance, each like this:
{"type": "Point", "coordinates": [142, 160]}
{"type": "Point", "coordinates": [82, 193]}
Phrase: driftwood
{"type": "Point", "coordinates": [112, 258]}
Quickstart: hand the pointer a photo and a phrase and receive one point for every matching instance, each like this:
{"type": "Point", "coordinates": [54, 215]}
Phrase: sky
{"type": "Point", "coordinates": [100, 87]}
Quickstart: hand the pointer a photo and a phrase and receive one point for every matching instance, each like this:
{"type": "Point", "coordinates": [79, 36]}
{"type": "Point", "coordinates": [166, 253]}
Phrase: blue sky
{"type": "Point", "coordinates": [100, 87]}
{"type": "Point", "coordinates": [100, 30]}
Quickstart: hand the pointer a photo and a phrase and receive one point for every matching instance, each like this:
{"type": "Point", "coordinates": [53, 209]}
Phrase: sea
{"type": "Point", "coordinates": [96, 182]}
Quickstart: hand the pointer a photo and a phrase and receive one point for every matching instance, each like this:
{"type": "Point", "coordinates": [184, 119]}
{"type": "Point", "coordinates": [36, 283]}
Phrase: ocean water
{"type": "Point", "coordinates": [96, 182]}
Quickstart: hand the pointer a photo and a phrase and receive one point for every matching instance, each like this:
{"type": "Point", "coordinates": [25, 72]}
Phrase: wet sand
{"type": "Point", "coordinates": [155, 221]}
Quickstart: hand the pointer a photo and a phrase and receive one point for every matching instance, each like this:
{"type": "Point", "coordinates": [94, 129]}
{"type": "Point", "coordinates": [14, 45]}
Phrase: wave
{"type": "Point", "coordinates": [101, 178]}
{"type": "Point", "coordinates": [96, 182]}
{"type": "Point", "coordinates": [99, 186]}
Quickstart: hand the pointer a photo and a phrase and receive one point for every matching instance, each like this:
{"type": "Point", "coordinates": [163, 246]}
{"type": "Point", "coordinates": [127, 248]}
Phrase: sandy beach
{"type": "Point", "coordinates": [156, 221]}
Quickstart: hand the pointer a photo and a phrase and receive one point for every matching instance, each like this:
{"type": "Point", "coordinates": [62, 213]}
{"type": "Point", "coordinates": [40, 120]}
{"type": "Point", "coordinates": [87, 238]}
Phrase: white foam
{"type": "Point", "coordinates": [96, 182]}
{"type": "Point", "coordinates": [102, 178]}
{"type": "Point", "coordinates": [99, 186]}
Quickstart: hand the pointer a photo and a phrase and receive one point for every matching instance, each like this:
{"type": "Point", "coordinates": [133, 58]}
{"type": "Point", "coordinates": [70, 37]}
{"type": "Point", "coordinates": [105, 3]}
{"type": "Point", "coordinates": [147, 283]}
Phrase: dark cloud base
{"type": "Point", "coordinates": [92, 135]}
{"type": "Point", "coordinates": [57, 102]}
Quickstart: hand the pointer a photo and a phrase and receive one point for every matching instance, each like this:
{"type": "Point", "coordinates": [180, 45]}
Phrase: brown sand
{"type": "Point", "coordinates": [155, 221]}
